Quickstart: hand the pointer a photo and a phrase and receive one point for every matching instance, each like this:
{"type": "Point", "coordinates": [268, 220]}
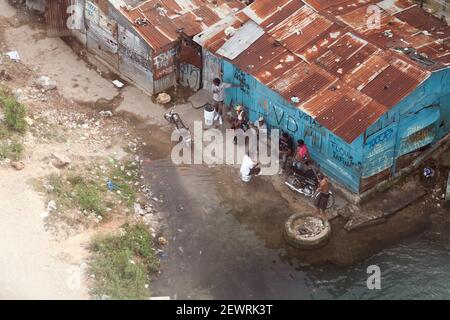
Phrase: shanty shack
{"type": "Point", "coordinates": [365, 83]}
{"type": "Point", "coordinates": [147, 42]}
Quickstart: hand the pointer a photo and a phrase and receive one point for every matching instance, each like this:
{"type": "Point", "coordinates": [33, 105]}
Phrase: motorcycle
{"type": "Point", "coordinates": [175, 119]}
{"type": "Point", "coordinates": [306, 183]}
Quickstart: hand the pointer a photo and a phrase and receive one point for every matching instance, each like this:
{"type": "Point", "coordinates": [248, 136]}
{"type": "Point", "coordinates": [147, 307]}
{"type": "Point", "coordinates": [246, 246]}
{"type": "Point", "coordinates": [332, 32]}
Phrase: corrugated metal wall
{"type": "Point", "coordinates": [212, 68]}
{"type": "Point", "coordinates": [414, 124]}
{"type": "Point", "coordinates": [190, 65]}
{"type": "Point", "coordinates": [101, 34]}
{"type": "Point", "coordinates": [164, 68]}
{"type": "Point", "coordinates": [134, 59]}
{"type": "Point", "coordinates": [56, 17]}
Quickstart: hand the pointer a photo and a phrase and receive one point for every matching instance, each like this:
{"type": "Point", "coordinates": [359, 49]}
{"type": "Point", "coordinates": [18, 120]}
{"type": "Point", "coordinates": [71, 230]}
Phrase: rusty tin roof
{"type": "Point", "coordinates": [160, 22]}
{"type": "Point", "coordinates": [345, 73]}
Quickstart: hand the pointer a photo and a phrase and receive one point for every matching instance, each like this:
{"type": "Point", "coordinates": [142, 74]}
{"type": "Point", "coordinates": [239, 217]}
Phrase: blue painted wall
{"type": "Point", "coordinates": [425, 114]}
{"type": "Point", "coordinates": [417, 121]}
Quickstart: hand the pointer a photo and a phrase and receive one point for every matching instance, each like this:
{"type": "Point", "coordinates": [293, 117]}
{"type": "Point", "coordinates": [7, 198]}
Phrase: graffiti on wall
{"type": "Point", "coordinates": [417, 140]}
{"type": "Point", "coordinates": [164, 59]}
{"type": "Point", "coordinates": [211, 69]}
{"type": "Point", "coordinates": [135, 57]}
{"type": "Point", "coordinates": [242, 78]}
{"type": "Point", "coordinates": [379, 150]}
{"type": "Point", "coordinates": [92, 12]}
{"type": "Point", "coordinates": [341, 154]}
{"type": "Point", "coordinates": [190, 76]}
{"type": "Point", "coordinates": [163, 63]}
{"type": "Point", "coordinates": [380, 138]}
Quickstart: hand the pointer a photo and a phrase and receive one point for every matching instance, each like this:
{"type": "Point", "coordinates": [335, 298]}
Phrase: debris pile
{"type": "Point", "coordinates": [311, 227]}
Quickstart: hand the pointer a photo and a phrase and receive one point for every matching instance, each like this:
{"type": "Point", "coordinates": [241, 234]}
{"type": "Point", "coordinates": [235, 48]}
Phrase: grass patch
{"type": "Point", "coordinates": [124, 177]}
{"type": "Point", "coordinates": [76, 191]}
{"type": "Point", "coordinates": [14, 123]}
{"type": "Point", "coordinates": [89, 198]}
{"type": "Point", "coordinates": [11, 149]}
{"type": "Point", "coordinates": [87, 190]}
{"type": "Point", "coordinates": [14, 111]}
{"type": "Point", "coordinates": [122, 264]}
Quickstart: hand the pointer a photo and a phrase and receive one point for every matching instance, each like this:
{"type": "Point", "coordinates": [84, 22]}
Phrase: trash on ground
{"type": "Point", "coordinates": [118, 84]}
{"type": "Point", "coordinates": [13, 55]}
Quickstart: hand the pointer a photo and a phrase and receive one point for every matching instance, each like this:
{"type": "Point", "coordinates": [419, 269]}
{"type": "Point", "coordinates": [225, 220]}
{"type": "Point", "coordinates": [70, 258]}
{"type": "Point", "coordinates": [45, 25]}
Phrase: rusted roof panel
{"type": "Point", "coordinates": [321, 5]}
{"type": "Point", "coordinates": [161, 22]}
{"type": "Point", "coordinates": [303, 81]}
{"type": "Point", "coordinates": [422, 20]}
{"type": "Point", "coordinates": [280, 14]}
{"type": "Point", "coordinates": [345, 73]}
{"type": "Point", "coordinates": [346, 54]}
{"type": "Point", "coordinates": [277, 67]}
{"type": "Point", "coordinates": [348, 6]}
{"type": "Point", "coordinates": [259, 54]}
{"type": "Point", "coordinates": [189, 24]}
{"type": "Point", "coordinates": [358, 122]}
{"type": "Point", "coordinates": [390, 86]}
{"type": "Point", "coordinates": [208, 16]}
{"type": "Point", "coordinates": [261, 10]}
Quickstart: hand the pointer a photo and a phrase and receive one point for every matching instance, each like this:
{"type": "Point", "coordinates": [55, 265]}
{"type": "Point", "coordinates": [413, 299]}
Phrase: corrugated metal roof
{"type": "Point", "coordinates": [323, 52]}
{"type": "Point", "coordinates": [241, 40]}
{"type": "Point", "coordinates": [161, 21]}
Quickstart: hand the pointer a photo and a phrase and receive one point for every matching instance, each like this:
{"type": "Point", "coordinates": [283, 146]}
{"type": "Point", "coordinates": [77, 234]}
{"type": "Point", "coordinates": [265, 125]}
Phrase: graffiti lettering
{"type": "Point", "coordinates": [134, 56]}
{"type": "Point", "coordinates": [164, 72]}
{"type": "Point", "coordinates": [190, 76]}
{"type": "Point", "coordinates": [91, 11]}
{"type": "Point", "coordinates": [279, 114]}
{"type": "Point", "coordinates": [242, 78]}
{"type": "Point", "coordinates": [386, 135]}
{"type": "Point", "coordinates": [165, 59]}
{"type": "Point", "coordinates": [341, 154]}
{"type": "Point", "coordinates": [292, 125]}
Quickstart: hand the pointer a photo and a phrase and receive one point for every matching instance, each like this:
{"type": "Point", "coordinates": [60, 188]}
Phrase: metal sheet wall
{"type": "Point", "coordinates": [102, 35]}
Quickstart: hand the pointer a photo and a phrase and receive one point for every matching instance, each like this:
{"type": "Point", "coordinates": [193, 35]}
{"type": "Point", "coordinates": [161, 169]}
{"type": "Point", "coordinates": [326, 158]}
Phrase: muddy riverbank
{"type": "Point", "coordinates": [225, 237]}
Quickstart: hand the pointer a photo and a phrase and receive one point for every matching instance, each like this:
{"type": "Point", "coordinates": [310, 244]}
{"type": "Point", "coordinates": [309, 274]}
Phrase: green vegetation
{"type": "Point", "coordinates": [124, 177]}
{"type": "Point", "coordinates": [14, 124]}
{"type": "Point", "coordinates": [87, 189]}
{"type": "Point", "coordinates": [11, 149]}
{"type": "Point", "coordinates": [14, 111]}
{"type": "Point", "coordinates": [122, 264]}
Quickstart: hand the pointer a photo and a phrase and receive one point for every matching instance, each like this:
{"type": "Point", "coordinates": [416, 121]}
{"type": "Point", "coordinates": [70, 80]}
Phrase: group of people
{"type": "Point", "coordinates": [300, 159]}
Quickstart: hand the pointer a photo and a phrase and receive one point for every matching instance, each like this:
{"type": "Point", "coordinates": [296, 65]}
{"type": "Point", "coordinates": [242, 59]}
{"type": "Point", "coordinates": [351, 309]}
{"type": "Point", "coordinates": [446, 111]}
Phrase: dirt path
{"type": "Point", "coordinates": [35, 263]}
{"type": "Point", "coordinates": [32, 265]}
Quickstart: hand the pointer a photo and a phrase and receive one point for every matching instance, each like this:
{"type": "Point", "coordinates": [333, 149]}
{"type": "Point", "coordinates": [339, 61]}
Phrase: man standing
{"type": "Point", "coordinates": [322, 196]}
{"type": "Point", "coordinates": [218, 89]}
{"type": "Point", "coordinates": [285, 148]}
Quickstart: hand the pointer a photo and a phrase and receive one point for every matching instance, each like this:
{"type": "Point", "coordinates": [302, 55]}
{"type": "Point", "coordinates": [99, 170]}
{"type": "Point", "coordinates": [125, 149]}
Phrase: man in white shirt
{"type": "Point", "coordinates": [218, 89]}
{"type": "Point", "coordinates": [249, 169]}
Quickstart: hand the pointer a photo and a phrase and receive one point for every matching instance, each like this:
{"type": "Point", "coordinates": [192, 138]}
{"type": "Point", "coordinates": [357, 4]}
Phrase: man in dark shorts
{"type": "Point", "coordinates": [322, 196]}
{"type": "Point", "coordinates": [285, 148]}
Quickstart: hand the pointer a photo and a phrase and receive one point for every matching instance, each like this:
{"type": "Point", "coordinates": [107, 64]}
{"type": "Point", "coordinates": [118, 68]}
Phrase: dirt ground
{"type": "Point", "coordinates": [43, 260]}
